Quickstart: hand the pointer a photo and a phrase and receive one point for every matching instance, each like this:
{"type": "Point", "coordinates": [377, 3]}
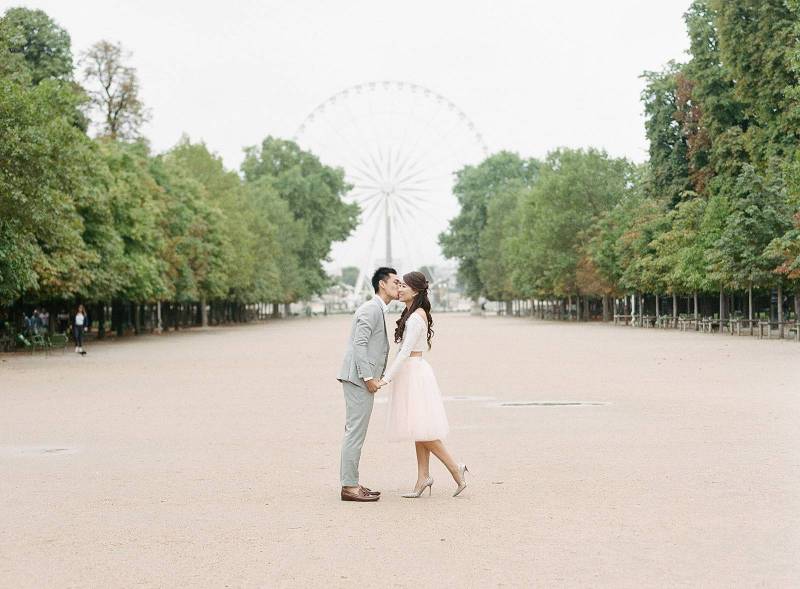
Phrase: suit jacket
{"type": "Point", "coordinates": [368, 346]}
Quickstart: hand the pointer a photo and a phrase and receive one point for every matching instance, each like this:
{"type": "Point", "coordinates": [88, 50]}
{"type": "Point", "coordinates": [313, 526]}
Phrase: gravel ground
{"type": "Point", "coordinates": [209, 458]}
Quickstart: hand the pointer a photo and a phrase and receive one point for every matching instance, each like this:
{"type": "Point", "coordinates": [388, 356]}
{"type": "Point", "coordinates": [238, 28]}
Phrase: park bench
{"type": "Point", "coordinates": [768, 327]}
{"type": "Point", "coordinates": [39, 341]}
{"type": "Point", "coordinates": [623, 319]}
{"type": "Point", "coordinates": [24, 343]}
{"type": "Point", "coordinates": [685, 323]}
{"type": "Point", "coordinates": [667, 322]}
{"type": "Point", "coordinates": [781, 328]}
{"type": "Point", "coordinates": [740, 324]}
{"type": "Point", "coordinates": [709, 324]}
{"type": "Point", "coordinates": [647, 321]}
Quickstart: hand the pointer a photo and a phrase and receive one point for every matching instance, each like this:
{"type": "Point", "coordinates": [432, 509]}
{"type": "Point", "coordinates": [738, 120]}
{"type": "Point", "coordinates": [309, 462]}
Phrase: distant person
{"type": "Point", "coordinates": [36, 322]}
{"type": "Point", "coordinates": [44, 318]}
{"type": "Point", "coordinates": [63, 321]}
{"type": "Point", "coordinates": [416, 410]}
{"type": "Point", "coordinates": [80, 323]}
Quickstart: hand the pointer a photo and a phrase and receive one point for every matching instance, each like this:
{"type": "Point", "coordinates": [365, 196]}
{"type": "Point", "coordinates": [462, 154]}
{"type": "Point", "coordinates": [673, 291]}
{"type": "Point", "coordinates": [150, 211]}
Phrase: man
{"type": "Point", "coordinates": [362, 369]}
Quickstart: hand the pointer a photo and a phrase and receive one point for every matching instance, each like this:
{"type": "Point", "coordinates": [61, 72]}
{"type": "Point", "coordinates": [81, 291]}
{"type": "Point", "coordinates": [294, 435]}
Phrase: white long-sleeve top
{"type": "Point", "coordinates": [415, 339]}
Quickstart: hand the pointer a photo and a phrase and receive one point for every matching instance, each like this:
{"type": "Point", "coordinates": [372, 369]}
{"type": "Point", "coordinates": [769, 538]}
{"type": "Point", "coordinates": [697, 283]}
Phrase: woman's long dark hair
{"type": "Point", "coordinates": [418, 282]}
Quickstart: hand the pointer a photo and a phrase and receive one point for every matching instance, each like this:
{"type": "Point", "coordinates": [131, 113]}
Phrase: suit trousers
{"type": "Point", "coordinates": [358, 405]}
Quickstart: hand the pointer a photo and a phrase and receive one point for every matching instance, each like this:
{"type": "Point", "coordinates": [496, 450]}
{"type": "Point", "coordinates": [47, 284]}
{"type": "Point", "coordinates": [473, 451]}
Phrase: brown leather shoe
{"type": "Point", "coordinates": [357, 494]}
{"type": "Point", "coordinates": [370, 491]}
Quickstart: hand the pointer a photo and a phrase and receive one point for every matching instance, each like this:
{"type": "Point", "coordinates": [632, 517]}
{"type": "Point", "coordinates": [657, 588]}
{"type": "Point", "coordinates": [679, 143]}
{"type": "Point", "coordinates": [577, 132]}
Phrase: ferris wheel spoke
{"type": "Point", "coordinates": [401, 168]}
{"type": "Point", "coordinates": [428, 205]}
{"type": "Point", "coordinates": [408, 234]}
{"type": "Point", "coordinates": [427, 126]}
{"type": "Point", "coordinates": [368, 176]}
{"type": "Point", "coordinates": [369, 213]}
{"type": "Point", "coordinates": [420, 203]}
{"type": "Point", "coordinates": [423, 162]}
{"type": "Point", "coordinates": [363, 198]}
{"type": "Point", "coordinates": [356, 125]}
{"type": "Point", "coordinates": [346, 139]}
{"type": "Point", "coordinates": [366, 187]}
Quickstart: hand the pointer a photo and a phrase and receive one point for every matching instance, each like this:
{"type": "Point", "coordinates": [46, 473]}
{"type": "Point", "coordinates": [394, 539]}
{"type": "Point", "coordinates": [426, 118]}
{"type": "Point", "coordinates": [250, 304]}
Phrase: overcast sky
{"type": "Point", "coordinates": [531, 75]}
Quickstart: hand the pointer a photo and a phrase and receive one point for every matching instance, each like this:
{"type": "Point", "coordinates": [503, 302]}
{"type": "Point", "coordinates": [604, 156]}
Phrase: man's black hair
{"type": "Point", "coordinates": [381, 273]}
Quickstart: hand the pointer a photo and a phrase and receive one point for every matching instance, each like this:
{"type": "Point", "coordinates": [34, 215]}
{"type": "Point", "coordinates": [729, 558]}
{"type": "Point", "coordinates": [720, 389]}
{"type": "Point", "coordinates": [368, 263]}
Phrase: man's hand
{"type": "Point", "coordinates": [372, 386]}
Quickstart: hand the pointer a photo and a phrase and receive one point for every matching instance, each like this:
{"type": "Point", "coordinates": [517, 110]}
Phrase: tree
{"type": "Point", "coordinates": [669, 163]}
{"type": "Point", "coordinates": [575, 189]}
{"type": "Point", "coordinates": [32, 38]}
{"type": "Point", "coordinates": [475, 187]}
{"type": "Point", "coordinates": [313, 193]}
{"type": "Point", "coordinates": [43, 160]}
{"type": "Point", "coordinates": [759, 42]}
{"type": "Point", "coordinates": [495, 263]}
{"type": "Point", "coordinates": [350, 275]}
{"type": "Point", "coordinates": [113, 91]}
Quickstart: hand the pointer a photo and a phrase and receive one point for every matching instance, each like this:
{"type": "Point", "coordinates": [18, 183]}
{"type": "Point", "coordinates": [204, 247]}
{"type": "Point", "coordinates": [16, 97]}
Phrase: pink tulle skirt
{"type": "Point", "coordinates": [416, 411]}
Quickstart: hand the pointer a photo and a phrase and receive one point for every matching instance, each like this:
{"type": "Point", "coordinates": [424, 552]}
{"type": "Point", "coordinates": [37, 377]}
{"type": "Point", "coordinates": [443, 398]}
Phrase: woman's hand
{"type": "Point", "coordinates": [382, 383]}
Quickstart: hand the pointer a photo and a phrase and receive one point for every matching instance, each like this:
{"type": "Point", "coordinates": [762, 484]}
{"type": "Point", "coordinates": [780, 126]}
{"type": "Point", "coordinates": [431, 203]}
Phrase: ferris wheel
{"type": "Point", "coordinates": [400, 145]}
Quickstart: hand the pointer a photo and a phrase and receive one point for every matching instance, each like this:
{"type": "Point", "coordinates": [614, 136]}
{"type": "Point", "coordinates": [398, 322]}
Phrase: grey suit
{"type": "Point", "coordinates": [366, 355]}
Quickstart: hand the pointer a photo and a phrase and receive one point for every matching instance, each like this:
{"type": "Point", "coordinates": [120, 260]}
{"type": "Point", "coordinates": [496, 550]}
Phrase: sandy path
{"type": "Point", "coordinates": [210, 459]}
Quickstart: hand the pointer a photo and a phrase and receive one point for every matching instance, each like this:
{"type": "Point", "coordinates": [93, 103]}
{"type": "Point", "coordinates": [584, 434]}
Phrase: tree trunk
{"type": "Point", "coordinates": [721, 307]}
{"type": "Point", "coordinates": [658, 305]}
{"type": "Point", "coordinates": [287, 310]}
{"type": "Point", "coordinates": [159, 324]}
{"type": "Point", "coordinates": [569, 307]}
{"type": "Point", "coordinates": [797, 305]}
{"type": "Point", "coordinates": [101, 321]}
{"type": "Point", "coordinates": [780, 303]}
{"type": "Point", "coordinates": [675, 307]}
{"type": "Point", "coordinates": [510, 308]}
{"type": "Point", "coordinates": [606, 314]}
{"type": "Point", "coordinates": [696, 309]}
{"type": "Point", "coordinates": [203, 312]}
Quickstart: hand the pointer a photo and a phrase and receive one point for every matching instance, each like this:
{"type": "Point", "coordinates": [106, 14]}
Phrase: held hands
{"type": "Point", "coordinates": [374, 384]}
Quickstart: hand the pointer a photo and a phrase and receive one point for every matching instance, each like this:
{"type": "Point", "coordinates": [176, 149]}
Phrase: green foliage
{"type": "Point", "coordinates": [313, 193]}
{"type": "Point", "coordinates": [576, 189]}
{"type": "Point", "coordinates": [475, 188]}
{"type": "Point", "coordinates": [495, 264]}
{"type": "Point", "coordinates": [31, 40]}
{"type": "Point", "coordinates": [758, 213]}
{"type": "Point", "coordinates": [43, 158]}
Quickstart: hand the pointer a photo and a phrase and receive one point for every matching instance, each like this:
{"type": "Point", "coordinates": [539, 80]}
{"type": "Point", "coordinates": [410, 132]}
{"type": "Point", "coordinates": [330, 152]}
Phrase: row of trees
{"type": "Point", "coordinates": [103, 219]}
{"type": "Point", "coordinates": [716, 209]}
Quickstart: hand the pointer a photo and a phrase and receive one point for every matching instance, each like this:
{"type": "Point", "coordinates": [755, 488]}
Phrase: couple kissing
{"type": "Point", "coordinates": [416, 411]}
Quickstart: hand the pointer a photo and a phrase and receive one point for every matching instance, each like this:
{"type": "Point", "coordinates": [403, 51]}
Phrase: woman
{"type": "Point", "coordinates": [416, 411]}
{"type": "Point", "coordinates": [79, 324]}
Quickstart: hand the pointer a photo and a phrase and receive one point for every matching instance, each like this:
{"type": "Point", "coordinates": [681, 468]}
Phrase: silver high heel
{"type": "Point", "coordinates": [416, 494]}
{"type": "Point", "coordinates": [462, 469]}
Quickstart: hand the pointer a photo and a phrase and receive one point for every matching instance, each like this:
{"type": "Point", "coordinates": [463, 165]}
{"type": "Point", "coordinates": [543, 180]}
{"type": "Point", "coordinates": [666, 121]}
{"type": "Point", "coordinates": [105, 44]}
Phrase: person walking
{"type": "Point", "coordinates": [80, 322]}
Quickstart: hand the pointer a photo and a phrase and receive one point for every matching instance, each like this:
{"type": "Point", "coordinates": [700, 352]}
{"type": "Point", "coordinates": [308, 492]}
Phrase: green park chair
{"type": "Point", "coordinates": [39, 341]}
{"type": "Point", "coordinates": [59, 340]}
{"type": "Point", "coordinates": [24, 343]}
